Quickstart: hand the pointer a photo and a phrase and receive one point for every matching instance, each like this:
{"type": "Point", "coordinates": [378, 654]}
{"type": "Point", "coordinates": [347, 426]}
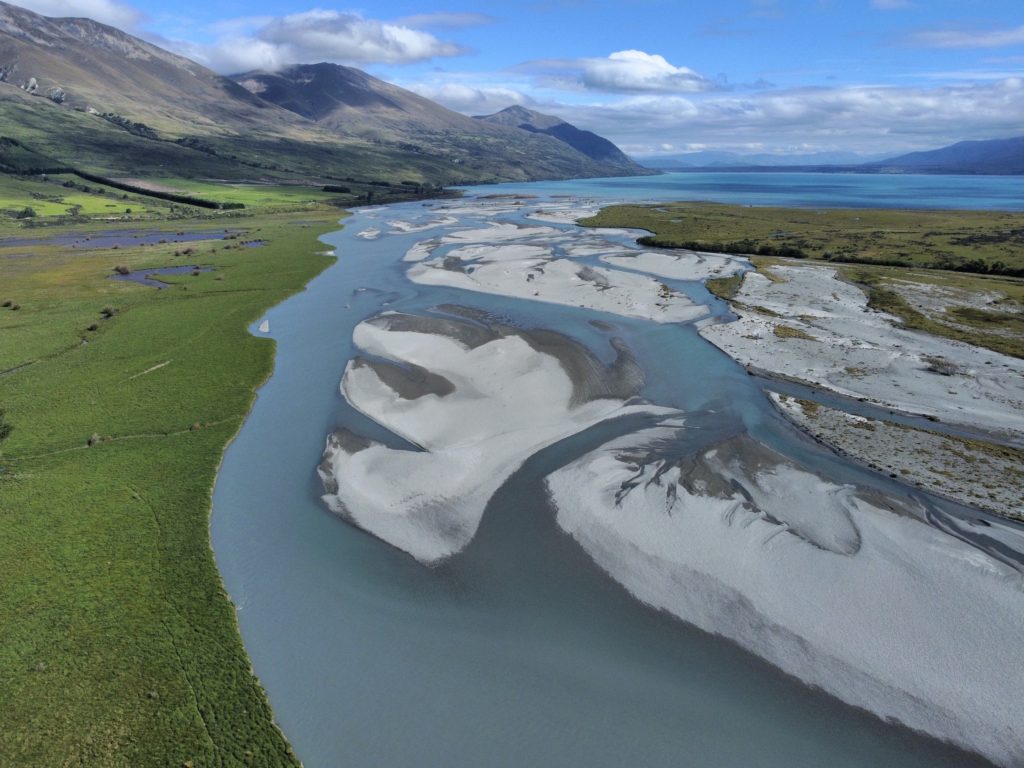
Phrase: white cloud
{"type": "Point", "coordinates": [314, 36]}
{"type": "Point", "coordinates": [636, 71]}
{"type": "Point", "coordinates": [106, 11]}
{"type": "Point", "coordinates": [472, 100]}
{"type": "Point", "coordinates": [628, 71]}
{"type": "Point", "coordinates": [891, 5]}
{"type": "Point", "coordinates": [986, 38]}
{"type": "Point", "coordinates": [862, 118]}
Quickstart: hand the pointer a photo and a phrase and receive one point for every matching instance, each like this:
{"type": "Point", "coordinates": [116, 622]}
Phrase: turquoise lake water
{"type": "Point", "coordinates": [519, 651]}
{"type": "Point", "coordinates": [837, 190]}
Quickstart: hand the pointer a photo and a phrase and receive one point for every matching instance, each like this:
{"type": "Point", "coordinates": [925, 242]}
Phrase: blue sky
{"type": "Point", "coordinates": [656, 76]}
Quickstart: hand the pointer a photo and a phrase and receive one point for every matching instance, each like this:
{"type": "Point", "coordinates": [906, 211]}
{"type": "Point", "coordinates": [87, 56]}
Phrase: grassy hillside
{"type": "Point", "coordinates": [83, 94]}
{"type": "Point", "coordinates": [972, 241]}
{"type": "Point", "coordinates": [118, 645]}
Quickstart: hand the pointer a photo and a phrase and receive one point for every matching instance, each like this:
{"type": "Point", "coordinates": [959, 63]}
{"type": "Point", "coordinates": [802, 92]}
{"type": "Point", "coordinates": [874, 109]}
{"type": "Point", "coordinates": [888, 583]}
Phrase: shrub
{"type": "Point", "coordinates": [25, 213]}
{"type": "Point", "coordinates": [789, 332]}
{"type": "Point", "coordinates": [5, 426]}
{"type": "Point", "coordinates": [941, 366]}
{"type": "Point", "coordinates": [108, 312]}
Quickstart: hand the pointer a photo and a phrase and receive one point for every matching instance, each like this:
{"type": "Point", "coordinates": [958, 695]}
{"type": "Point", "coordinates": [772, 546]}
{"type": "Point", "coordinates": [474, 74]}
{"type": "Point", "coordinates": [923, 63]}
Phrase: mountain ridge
{"type": "Point", "coordinates": [588, 143]}
{"type": "Point", "coordinates": [348, 100]}
{"type": "Point", "coordinates": [985, 156]}
{"type": "Point", "coordinates": [91, 95]}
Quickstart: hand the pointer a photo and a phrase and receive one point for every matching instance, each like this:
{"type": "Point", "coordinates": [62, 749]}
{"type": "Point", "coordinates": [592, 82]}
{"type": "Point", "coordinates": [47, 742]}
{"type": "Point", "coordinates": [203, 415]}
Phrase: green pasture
{"type": "Point", "coordinates": [250, 195]}
{"type": "Point", "coordinates": [49, 199]}
{"type": "Point", "coordinates": [118, 644]}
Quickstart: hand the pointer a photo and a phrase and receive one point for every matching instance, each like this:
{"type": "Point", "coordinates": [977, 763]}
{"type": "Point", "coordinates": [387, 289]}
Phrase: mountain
{"type": "Point", "coordinates": [590, 144]}
{"type": "Point", "coordinates": [86, 94]}
{"type": "Point", "coordinates": [82, 64]}
{"type": "Point", "coordinates": [725, 159]}
{"type": "Point", "coordinates": [993, 156]}
{"type": "Point", "coordinates": [349, 102]}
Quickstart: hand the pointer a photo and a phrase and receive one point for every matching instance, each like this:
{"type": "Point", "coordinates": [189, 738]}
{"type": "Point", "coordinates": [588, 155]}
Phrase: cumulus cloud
{"type": "Point", "coordinates": [985, 38]}
{"type": "Point", "coordinates": [319, 35]}
{"type": "Point", "coordinates": [628, 71]}
{"type": "Point", "coordinates": [861, 118]}
{"type": "Point", "coordinates": [106, 11]}
{"type": "Point", "coordinates": [472, 100]}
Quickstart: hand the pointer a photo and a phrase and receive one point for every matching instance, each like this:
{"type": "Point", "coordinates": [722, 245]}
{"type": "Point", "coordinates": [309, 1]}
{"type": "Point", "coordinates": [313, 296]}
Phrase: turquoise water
{"type": "Point", "coordinates": [518, 651]}
{"type": "Point", "coordinates": [837, 190]}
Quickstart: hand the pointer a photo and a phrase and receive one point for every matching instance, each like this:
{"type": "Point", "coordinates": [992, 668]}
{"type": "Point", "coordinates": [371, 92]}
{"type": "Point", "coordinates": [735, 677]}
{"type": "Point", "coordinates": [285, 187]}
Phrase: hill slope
{"type": "Point", "coordinates": [86, 94]}
{"type": "Point", "coordinates": [590, 144]}
{"type": "Point", "coordinates": [994, 156]}
{"type": "Point", "coordinates": [85, 65]}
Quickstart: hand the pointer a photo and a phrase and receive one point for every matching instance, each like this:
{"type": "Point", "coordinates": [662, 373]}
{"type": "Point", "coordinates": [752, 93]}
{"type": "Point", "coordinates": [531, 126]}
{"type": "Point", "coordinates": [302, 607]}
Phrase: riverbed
{"type": "Point", "coordinates": [517, 648]}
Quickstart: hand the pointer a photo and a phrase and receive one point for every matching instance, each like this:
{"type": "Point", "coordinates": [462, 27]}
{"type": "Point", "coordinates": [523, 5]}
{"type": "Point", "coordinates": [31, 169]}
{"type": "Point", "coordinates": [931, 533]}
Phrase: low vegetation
{"type": "Point", "coordinates": [724, 287]}
{"type": "Point", "coordinates": [984, 242]}
{"type": "Point", "coordinates": [789, 332]}
{"type": "Point", "coordinates": [118, 644]}
{"type": "Point", "coordinates": [1001, 332]}
{"type": "Point", "coordinates": [969, 257]}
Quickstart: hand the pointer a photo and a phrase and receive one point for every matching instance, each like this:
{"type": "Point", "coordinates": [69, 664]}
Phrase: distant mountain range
{"type": "Point", "coordinates": [80, 92]}
{"type": "Point", "coordinates": [995, 156]}
{"type": "Point", "coordinates": [991, 157]}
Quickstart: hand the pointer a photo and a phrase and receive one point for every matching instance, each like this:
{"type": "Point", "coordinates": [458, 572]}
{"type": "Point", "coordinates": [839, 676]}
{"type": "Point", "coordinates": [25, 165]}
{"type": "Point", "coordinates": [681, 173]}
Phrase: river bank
{"type": "Point", "coordinates": [119, 643]}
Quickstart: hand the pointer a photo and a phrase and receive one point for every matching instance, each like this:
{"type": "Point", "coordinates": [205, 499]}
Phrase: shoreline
{"type": "Point", "coordinates": [264, 335]}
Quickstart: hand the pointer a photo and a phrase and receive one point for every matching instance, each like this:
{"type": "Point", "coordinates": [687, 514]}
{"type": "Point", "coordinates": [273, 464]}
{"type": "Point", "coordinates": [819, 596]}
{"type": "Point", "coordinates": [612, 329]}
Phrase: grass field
{"type": "Point", "coordinates": [256, 196]}
{"type": "Point", "coordinates": [51, 199]}
{"type": "Point", "coordinates": [118, 645]}
{"type": "Point", "coordinates": [976, 241]}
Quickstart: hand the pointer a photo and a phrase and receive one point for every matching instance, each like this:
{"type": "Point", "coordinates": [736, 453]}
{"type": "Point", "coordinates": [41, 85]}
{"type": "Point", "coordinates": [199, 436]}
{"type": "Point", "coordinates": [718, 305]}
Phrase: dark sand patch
{"type": "Point", "coordinates": [408, 380]}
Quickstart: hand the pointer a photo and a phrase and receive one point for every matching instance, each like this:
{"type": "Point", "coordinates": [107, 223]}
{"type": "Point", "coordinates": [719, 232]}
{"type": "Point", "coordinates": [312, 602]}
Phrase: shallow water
{"type": "Point", "coordinates": [518, 651]}
{"type": "Point", "coordinates": [149, 276]}
{"type": "Point", "coordinates": [120, 238]}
